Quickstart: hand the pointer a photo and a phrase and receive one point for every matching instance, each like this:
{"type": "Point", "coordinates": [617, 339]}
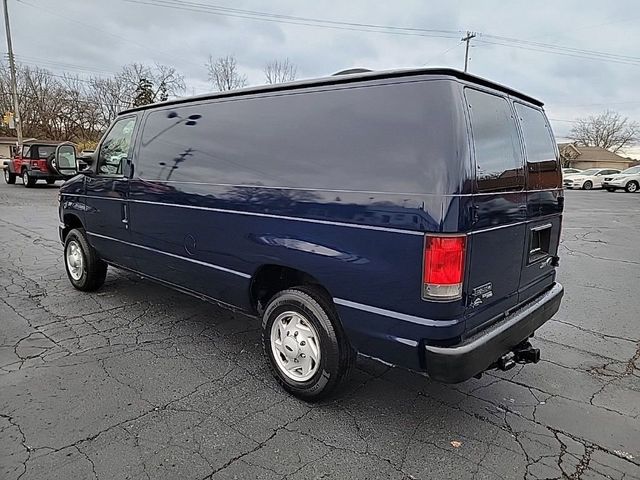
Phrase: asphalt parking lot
{"type": "Point", "coordinates": [137, 381]}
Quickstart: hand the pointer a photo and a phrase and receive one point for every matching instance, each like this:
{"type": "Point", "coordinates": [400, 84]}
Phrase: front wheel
{"type": "Point", "coordinates": [9, 178]}
{"type": "Point", "coordinates": [50, 181]}
{"type": "Point", "coordinates": [308, 352]}
{"type": "Point", "coordinates": [632, 186]}
{"type": "Point", "coordinates": [84, 268]}
{"type": "Point", "coordinates": [588, 185]}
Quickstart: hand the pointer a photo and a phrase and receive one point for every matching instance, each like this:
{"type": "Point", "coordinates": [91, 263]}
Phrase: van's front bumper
{"type": "Point", "coordinates": [476, 354]}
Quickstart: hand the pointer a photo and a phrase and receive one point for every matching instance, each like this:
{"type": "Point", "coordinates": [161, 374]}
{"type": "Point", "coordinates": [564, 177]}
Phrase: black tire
{"type": "Point", "coordinates": [631, 187]}
{"type": "Point", "coordinates": [9, 178]}
{"type": "Point", "coordinates": [27, 180]}
{"type": "Point", "coordinates": [94, 270]}
{"type": "Point", "coordinates": [611, 189]}
{"type": "Point", "coordinates": [337, 357]}
{"type": "Point", "coordinates": [588, 185]}
{"type": "Point", "coordinates": [50, 181]}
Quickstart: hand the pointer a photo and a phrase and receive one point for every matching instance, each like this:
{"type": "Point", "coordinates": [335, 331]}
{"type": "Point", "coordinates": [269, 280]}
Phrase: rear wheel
{"type": "Point", "coordinates": [27, 180]}
{"type": "Point", "coordinates": [84, 268]}
{"type": "Point", "coordinates": [632, 186]}
{"type": "Point", "coordinates": [588, 185]}
{"type": "Point", "coordinates": [308, 352]}
{"type": "Point", "coordinates": [50, 181]}
{"type": "Point", "coordinates": [9, 177]}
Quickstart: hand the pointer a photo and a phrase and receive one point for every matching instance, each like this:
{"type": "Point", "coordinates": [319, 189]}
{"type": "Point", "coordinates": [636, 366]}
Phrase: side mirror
{"type": "Point", "coordinates": [66, 162]}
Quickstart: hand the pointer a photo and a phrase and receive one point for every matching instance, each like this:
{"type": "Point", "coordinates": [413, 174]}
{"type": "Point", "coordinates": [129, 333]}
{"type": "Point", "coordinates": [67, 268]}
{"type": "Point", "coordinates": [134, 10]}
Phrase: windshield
{"type": "Point", "coordinates": [631, 171]}
{"type": "Point", "coordinates": [591, 171]}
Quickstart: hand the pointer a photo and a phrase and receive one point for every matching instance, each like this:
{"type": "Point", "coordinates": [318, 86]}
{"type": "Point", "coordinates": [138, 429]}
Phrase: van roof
{"type": "Point", "coordinates": [345, 79]}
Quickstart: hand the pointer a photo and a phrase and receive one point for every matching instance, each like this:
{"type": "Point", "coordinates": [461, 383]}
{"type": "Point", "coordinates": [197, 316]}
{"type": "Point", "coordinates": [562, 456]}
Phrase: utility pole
{"type": "Point", "coordinates": [14, 86]}
{"type": "Point", "coordinates": [467, 39]}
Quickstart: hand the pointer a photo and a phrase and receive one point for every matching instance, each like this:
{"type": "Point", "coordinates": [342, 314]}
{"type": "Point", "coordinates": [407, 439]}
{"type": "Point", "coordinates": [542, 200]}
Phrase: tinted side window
{"type": "Point", "coordinates": [543, 168]}
{"type": "Point", "coordinates": [115, 147]}
{"type": "Point", "coordinates": [392, 138]}
{"type": "Point", "coordinates": [497, 145]}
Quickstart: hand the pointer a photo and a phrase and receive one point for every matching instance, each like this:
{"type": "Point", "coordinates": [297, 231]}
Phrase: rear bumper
{"type": "Point", "coordinates": [40, 175]}
{"type": "Point", "coordinates": [476, 354]}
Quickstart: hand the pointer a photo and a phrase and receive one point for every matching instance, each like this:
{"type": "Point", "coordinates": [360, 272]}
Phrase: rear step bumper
{"type": "Point", "coordinates": [481, 351]}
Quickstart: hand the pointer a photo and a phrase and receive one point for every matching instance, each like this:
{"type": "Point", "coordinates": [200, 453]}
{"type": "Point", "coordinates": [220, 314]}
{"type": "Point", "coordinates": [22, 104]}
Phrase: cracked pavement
{"type": "Point", "coordinates": [138, 381]}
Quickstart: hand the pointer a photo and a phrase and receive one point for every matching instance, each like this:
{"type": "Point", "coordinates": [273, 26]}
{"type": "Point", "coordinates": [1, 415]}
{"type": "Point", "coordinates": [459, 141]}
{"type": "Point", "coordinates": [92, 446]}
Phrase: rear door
{"type": "Point", "coordinates": [544, 201]}
{"type": "Point", "coordinates": [107, 195]}
{"type": "Point", "coordinates": [499, 208]}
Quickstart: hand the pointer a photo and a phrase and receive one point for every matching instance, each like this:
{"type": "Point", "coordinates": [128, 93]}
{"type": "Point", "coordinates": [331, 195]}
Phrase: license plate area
{"type": "Point", "coordinates": [539, 243]}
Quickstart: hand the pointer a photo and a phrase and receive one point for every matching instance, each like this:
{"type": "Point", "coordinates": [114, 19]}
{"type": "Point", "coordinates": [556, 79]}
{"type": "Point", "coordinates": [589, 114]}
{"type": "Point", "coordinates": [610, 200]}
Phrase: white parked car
{"type": "Point", "coordinates": [628, 180]}
{"type": "Point", "coordinates": [588, 179]}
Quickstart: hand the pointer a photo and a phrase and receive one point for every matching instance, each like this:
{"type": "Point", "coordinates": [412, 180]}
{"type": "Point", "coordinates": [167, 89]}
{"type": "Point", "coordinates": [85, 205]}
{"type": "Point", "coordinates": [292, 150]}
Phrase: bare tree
{"type": "Point", "coordinates": [608, 130]}
{"type": "Point", "coordinates": [68, 107]}
{"type": "Point", "coordinates": [164, 81]}
{"type": "Point", "coordinates": [280, 71]}
{"type": "Point", "coordinates": [224, 73]}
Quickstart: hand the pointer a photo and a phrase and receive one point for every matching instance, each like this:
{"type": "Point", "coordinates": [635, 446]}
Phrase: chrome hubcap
{"type": "Point", "coordinates": [632, 187]}
{"type": "Point", "coordinates": [295, 345]}
{"type": "Point", "coordinates": [25, 177]}
{"type": "Point", "coordinates": [74, 260]}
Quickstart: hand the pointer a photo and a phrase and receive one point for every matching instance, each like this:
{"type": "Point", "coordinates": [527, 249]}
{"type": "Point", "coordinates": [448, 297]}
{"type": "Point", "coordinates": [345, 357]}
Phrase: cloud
{"type": "Point", "coordinates": [103, 36]}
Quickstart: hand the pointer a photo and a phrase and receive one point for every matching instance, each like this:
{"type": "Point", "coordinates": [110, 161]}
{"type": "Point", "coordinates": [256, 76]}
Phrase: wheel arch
{"type": "Point", "coordinates": [71, 221]}
{"type": "Point", "coordinates": [270, 279]}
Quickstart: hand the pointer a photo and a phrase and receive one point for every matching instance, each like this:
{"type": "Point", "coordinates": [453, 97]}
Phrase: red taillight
{"type": "Point", "coordinates": [443, 267]}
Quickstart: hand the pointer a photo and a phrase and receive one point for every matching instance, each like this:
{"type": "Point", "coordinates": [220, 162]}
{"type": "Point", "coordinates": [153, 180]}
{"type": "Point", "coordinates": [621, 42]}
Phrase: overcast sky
{"type": "Point", "coordinates": [98, 37]}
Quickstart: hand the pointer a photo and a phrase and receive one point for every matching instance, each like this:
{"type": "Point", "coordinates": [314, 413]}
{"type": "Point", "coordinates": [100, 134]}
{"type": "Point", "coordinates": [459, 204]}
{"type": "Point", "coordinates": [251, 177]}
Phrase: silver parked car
{"type": "Point", "coordinates": [628, 180]}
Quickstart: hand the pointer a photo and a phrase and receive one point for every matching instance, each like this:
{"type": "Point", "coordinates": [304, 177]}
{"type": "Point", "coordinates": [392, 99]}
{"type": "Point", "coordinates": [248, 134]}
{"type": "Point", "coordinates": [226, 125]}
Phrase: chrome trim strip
{"type": "Point", "coordinates": [284, 217]}
{"type": "Point", "coordinates": [309, 220]}
{"type": "Point", "coordinates": [372, 192]}
{"type": "Point", "coordinates": [263, 215]}
{"type": "Point", "coordinates": [397, 315]}
{"type": "Point", "coordinates": [198, 262]}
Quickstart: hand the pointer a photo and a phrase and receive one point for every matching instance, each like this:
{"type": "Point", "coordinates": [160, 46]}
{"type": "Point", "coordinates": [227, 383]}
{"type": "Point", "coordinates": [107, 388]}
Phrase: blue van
{"type": "Point", "coordinates": [412, 216]}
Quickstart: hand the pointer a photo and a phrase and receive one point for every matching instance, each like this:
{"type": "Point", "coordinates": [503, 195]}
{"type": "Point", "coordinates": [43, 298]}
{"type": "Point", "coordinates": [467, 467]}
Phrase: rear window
{"type": "Point", "coordinates": [543, 169]}
{"type": "Point", "coordinates": [45, 151]}
{"type": "Point", "coordinates": [498, 152]}
{"type": "Point", "coordinates": [394, 138]}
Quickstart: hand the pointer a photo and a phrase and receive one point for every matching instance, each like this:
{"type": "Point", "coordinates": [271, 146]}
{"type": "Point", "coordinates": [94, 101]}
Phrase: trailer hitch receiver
{"type": "Point", "coordinates": [521, 353]}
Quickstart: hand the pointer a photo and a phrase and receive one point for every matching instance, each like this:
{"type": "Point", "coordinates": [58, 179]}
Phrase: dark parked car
{"type": "Point", "coordinates": [411, 216]}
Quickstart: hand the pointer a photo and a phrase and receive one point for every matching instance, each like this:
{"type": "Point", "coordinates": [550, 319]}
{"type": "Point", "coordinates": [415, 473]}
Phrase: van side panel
{"type": "Point", "coordinates": [340, 183]}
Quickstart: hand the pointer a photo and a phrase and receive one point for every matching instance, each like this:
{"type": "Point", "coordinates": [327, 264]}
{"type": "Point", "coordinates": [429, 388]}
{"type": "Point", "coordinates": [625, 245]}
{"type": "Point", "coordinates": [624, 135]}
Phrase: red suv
{"type": "Point", "coordinates": [37, 161]}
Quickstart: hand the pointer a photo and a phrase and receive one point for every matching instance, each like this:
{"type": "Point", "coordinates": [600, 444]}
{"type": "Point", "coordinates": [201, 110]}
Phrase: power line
{"type": "Point", "coordinates": [443, 53]}
{"type": "Point", "coordinates": [294, 20]}
{"type": "Point", "coordinates": [35, 61]}
{"type": "Point", "coordinates": [212, 9]}
{"type": "Point", "coordinates": [91, 27]}
{"type": "Point", "coordinates": [559, 49]}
